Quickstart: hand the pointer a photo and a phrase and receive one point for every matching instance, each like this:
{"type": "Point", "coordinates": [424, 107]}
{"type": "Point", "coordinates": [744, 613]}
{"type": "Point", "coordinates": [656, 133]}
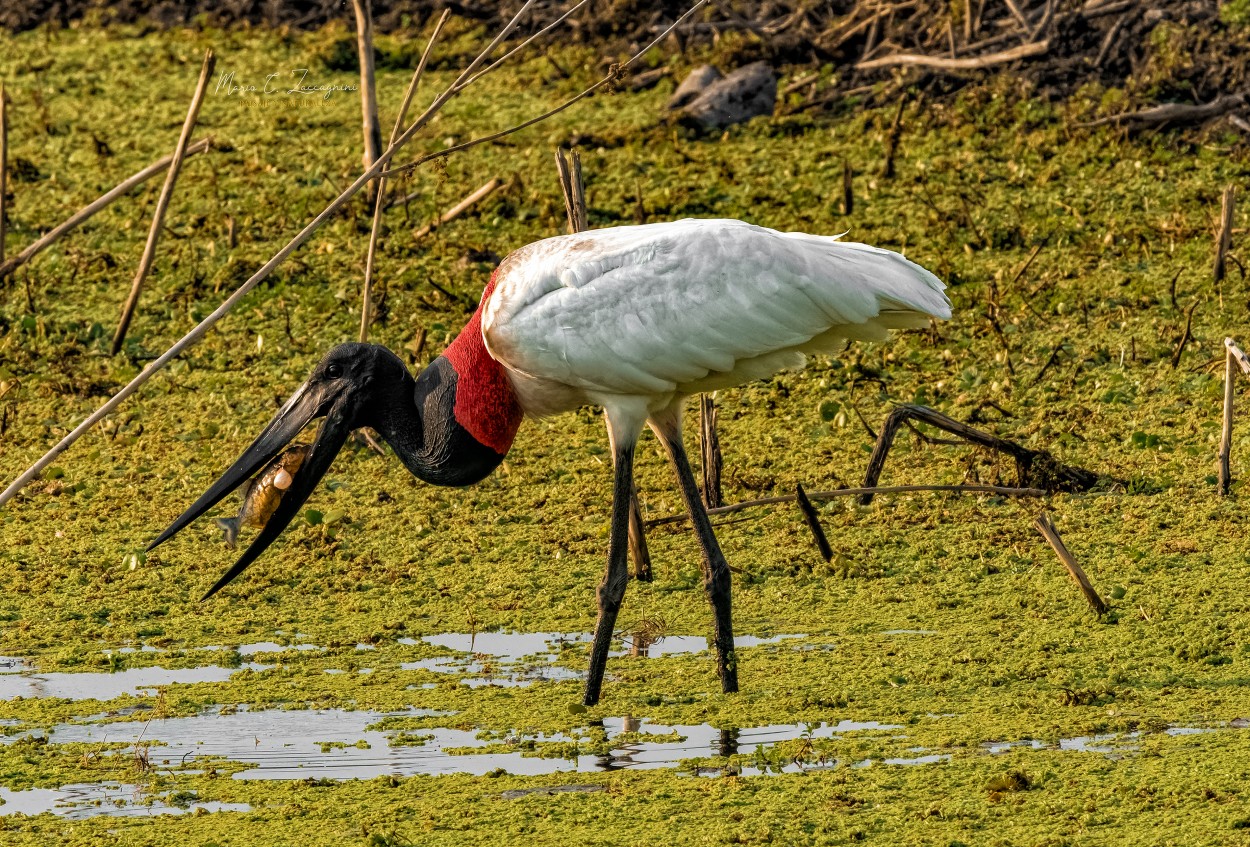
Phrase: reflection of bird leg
{"type": "Point", "coordinates": [727, 745]}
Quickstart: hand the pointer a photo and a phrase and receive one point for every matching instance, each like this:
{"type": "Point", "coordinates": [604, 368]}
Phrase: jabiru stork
{"type": "Point", "coordinates": [633, 319]}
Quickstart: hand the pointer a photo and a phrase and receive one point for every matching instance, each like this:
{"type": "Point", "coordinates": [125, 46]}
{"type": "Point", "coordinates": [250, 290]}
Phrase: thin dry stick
{"type": "Point", "coordinates": [970, 63]}
{"type": "Point", "coordinates": [4, 165]}
{"type": "Point", "coordinates": [573, 188]}
{"type": "Point", "coordinates": [709, 448]}
{"type": "Point", "coordinates": [366, 296]}
{"type": "Point", "coordinates": [1002, 490]}
{"type": "Point", "coordinates": [1234, 356]}
{"type": "Point", "coordinates": [1226, 436]}
{"type": "Point", "coordinates": [300, 238]}
{"type": "Point", "coordinates": [614, 73]}
{"type": "Point", "coordinates": [368, 84]}
{"type": "Point", "coordinates": [1047, 528]}
{"type": "Point", "coordinates": [480, 194]}
{"type": "Point", "coordinates": [162, 202]}
{"type": "Point", "coordinates": [813, 523]}
{"type": "Point", "coordinates": [56, 233]}
{"type": "Point", "coordinates": [1224, 239]}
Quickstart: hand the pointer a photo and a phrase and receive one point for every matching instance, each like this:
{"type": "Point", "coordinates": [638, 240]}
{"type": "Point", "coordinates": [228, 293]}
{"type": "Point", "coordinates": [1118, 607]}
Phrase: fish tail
{"type": "Point", "coordinates": [230, 529]}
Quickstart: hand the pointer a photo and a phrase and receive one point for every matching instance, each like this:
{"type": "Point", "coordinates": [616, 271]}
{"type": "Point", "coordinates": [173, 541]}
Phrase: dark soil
{"type": "Point", "coordinates": [1155, 51]}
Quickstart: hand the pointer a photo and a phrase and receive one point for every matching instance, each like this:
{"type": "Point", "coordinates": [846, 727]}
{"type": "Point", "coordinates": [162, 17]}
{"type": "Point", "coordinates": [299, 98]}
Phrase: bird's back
{"type": "Point", "coordinates": [688, 306]}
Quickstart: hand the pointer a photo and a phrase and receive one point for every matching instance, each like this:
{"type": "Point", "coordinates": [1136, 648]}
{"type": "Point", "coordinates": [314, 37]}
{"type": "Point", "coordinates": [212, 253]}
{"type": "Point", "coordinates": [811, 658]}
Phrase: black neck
{"type": "Point", "coordinates": [417, 418]}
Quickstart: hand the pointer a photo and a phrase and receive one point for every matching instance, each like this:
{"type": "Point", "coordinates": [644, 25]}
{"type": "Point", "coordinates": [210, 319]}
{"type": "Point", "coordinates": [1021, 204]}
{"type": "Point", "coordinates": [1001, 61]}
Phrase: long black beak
{"type": "Point", "coordinates": [305, 404]}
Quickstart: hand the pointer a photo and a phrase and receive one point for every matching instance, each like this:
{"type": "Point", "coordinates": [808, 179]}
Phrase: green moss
{"type": "Point", "coordinates": [1015, 654]}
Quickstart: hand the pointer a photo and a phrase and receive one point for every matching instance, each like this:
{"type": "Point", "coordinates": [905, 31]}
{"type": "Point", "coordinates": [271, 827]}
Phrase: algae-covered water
{"type": "Point", "coordinates": [406, 668]}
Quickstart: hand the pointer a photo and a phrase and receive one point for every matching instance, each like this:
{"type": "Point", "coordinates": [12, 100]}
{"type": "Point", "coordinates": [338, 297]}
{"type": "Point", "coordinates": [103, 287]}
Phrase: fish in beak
{"type": "Point", "coordinates": [336, 391]}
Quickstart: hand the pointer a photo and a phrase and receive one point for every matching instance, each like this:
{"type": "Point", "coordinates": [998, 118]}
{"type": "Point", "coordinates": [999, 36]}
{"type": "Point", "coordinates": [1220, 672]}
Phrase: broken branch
{"type": "Point", "coordinates": [1047, 528]}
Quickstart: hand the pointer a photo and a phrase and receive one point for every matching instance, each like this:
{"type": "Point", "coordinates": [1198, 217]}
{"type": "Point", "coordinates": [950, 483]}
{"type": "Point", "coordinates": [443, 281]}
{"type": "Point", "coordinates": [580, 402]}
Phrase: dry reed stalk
{"type": "Point", "coordinates": [1226, 434]}
{"type": "Point", "coordinates": [469, 75]}
{"type": "Point", "coordinates": [1233, 360]}
{"type": "Point", "coordinates": [162, 202]}
{"type": "Point", "coordinates": [969, 63]}
{"type": "Point", "coordinates": [709, 450]}
{"type": "Point", "coordinates": [379, 202]}
{"type": "Point", "coordinates": [368, 82]}
{"type": "Point", "coordinates": [470, 200]}
{"type": "Point", "coordinates": [56, 233]}
{"type": "Point", "coordinates": [1047, 528]}
{"type": "Point", "coordinates": [1224, 239]}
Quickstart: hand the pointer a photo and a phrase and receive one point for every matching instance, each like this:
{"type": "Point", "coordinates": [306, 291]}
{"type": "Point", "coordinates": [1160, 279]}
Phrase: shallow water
{"type": "Point", "coordinates": [108, 685]}
{"type": "Point", "coordinates": [87, 800]}
{"type": "Point", "coordinates": [340, 744]}
{"type": "Point", "coordinates": [526, 657]}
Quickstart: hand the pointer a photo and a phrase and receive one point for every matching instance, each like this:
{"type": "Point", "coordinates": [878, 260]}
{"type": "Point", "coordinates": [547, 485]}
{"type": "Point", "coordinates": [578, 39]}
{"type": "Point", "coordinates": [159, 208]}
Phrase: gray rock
{"type": "Point", "coordinates": [695, 83]}
{"type": "Point", "coordinates": [744, 94]}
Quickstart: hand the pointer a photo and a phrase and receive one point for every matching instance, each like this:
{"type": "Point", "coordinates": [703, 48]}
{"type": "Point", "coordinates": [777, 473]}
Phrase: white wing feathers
{"type": "Point", "coordinates": [694, 305]}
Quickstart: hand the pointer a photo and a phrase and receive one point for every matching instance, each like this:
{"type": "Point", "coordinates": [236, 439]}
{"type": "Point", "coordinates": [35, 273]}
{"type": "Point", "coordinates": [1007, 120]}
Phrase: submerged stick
{"type": "Point", "coordinates": [813, 523]}
{"type": "Point", "coordinates": [1224, 239]}
{"type": "Point", "coordinates": [56, 233]}
{"type": "Point", "coordinates": [1001, 490]}
{"type": "Point", "coordinates": [162, 202]}
{"type": "Point", "coordinates": [469, 75]}
{"type": "Point", "coordinates": [379, 204]}
{"type": "Point", "coordinates": [1047, 528]}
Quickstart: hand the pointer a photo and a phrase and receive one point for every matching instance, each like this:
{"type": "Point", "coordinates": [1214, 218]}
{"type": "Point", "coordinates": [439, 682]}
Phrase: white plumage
{"type": "Point", "coordinates": [652, 313]}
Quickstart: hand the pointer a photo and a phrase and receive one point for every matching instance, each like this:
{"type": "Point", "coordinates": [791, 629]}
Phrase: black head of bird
{"type": "Point", "coordinates": [354, 386]}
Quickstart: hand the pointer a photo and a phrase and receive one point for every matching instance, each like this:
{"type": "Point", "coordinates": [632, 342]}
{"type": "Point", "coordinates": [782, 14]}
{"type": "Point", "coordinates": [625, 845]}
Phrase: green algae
{"type": "Point", "coordinates": [1013, 652]}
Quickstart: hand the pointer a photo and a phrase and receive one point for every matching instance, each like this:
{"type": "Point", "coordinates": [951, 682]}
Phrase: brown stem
{"type": "Point", "coordinates": [366, 297]}
{"type": "Point", "coordinates": [162, 201]}
{"type": "Point", "coordinates": [1047, 528]}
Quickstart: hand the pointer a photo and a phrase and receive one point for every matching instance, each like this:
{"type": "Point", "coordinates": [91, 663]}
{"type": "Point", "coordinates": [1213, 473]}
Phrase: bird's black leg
{"type": "Point", "coordinates": [615, 578]}
{"type": "Point", "coordinates": [667, 427]}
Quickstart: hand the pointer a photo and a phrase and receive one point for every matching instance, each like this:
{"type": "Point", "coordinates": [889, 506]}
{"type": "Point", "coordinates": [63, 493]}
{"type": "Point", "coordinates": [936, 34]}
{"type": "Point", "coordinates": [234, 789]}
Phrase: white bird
{"type": "Point", "coordinates": [633, 319]}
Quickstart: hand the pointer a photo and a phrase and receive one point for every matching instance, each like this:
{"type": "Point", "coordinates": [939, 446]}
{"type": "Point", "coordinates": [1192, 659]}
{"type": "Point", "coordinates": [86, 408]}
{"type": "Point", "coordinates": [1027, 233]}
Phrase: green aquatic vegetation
{"type": "Point", "coordinates": [947, 616]}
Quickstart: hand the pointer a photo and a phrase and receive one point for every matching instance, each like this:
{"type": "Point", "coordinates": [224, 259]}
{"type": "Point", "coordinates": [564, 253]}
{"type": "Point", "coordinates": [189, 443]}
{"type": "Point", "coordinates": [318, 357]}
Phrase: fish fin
{"type": "Point", "coordinates": [230, 530]}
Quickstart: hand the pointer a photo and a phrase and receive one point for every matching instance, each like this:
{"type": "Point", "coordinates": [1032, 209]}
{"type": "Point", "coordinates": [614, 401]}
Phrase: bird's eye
{"type": "Point", "coordinates": [334, 370]}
